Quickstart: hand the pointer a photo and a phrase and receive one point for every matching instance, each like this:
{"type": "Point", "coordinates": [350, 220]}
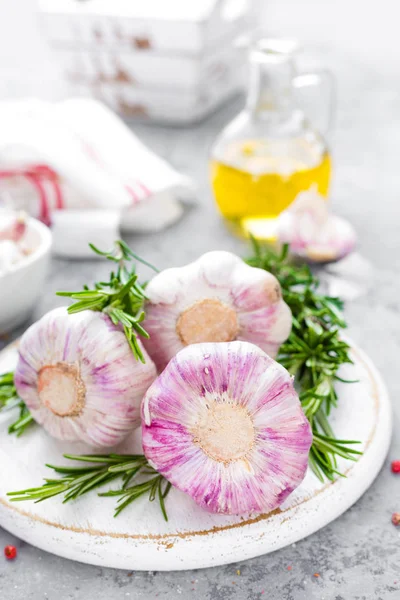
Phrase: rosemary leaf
{"type": "Point", "coordinates": [313, 353]}
{"type": "Point", "coordinates": [122, 297]}
{"type": "Point", "coordinates": [9, 399]}
{"type": "Point", "coordinates": [103, 469]}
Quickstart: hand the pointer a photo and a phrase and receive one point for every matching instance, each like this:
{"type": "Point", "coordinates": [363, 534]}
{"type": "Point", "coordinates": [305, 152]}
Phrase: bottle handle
{"type": "Point", "coordinates": [322, 78]}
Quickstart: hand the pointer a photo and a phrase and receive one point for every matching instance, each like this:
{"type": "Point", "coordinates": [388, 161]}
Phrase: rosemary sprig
{"type": "Point", "coordinates": [121, 297]}
{"type": "Point", "coordinates": [102, 469]}
{"type": "Point", "coordinates": [10, 399]}
{"type": "Point", "coordinates": [313, 353]}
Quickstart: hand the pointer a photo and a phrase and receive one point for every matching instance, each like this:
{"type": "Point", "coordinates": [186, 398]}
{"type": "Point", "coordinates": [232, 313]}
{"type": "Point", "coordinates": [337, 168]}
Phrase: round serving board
{"type": "Point", "coordinates": [140, 539]}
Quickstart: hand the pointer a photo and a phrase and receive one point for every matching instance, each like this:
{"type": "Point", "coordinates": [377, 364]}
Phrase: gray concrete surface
{"type": "Point", "coordinates": [358, 556]}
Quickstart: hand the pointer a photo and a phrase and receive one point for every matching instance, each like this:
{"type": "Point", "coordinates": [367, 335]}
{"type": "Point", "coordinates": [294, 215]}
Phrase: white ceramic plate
{"type": "Point", "coordinates": [140, 539]}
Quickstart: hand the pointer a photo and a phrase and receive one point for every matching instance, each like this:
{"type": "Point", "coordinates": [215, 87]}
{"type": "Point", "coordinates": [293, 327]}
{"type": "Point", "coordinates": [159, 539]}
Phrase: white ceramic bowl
{"type": "Point", "coordinates": [21, 286]}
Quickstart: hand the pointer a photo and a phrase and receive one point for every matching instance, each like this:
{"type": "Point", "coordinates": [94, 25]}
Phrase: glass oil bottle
{"type": "Point", "coordinates": [270, 152]}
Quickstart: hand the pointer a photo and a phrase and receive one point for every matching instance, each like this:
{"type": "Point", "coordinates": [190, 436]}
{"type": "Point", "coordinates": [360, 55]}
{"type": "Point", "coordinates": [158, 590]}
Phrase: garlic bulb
{"type": "Point", "coordinates": [313, 232]}
{"type": "Point", "coordinates": [217, 298]}
{"type": "Point", "coordinates": [224, 424]}
{"type": "Point", "coordinates": [79, 378]}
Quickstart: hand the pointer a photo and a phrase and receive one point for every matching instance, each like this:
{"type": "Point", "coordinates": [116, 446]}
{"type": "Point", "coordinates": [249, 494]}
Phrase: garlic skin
{"type": "Point", "coordinates": [217, 298]}
{"type": "Point", "coordinates": [78, 377]}
{"type": "Point", "coordinates": [313, 232]}
{"type": "Point", "coordinates": [223, 423]}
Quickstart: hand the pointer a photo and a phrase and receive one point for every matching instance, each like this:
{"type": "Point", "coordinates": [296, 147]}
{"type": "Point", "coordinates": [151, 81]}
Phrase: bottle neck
{"type": "Point", "coordinates": [270, 94]}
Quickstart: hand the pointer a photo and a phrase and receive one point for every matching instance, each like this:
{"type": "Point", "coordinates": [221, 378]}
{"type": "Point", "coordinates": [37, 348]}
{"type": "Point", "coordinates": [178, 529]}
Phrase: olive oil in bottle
{"type": "Point", "coordinates": [269, 153]}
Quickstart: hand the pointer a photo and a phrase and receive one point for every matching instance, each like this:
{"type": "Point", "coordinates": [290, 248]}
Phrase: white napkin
{"type": "Point", "coordinates": [74, 229]}
{"type": "Point", "coordinates": [78, 155]}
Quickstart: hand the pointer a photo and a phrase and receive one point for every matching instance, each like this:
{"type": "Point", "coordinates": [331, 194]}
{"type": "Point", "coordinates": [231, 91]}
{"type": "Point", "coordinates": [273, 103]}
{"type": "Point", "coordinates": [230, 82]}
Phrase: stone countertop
{"type": "Point", "coordinates": [357, 557]}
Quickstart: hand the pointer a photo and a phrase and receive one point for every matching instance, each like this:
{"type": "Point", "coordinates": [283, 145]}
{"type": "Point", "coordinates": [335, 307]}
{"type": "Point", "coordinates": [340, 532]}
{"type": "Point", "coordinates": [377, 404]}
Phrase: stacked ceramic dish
{"type": "Point", "coordinates": [154, 60]}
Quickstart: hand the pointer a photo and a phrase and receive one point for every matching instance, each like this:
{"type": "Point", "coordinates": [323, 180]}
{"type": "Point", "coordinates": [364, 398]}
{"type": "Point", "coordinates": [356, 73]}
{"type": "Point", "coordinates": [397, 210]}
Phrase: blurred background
{"type": "Point", "coordinates": [363, 31]}
{"type": "Point", "coordinates": [180, 67]}
{"type": "Point", "coordinates": [173, 73]}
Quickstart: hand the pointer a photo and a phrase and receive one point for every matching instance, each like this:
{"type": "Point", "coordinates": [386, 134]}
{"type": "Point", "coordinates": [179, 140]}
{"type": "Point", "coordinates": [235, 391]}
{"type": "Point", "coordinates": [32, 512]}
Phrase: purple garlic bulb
{"type": "Point", "coordinates": [217, 298]}
{"type": "Point", "coordinates": [78, 377]}
{"type": "Point", "coordinates": [224, 424]}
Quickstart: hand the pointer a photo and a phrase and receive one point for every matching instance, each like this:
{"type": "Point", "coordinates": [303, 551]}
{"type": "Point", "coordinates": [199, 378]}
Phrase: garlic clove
{"type": "Point", "coordinates": [10, 255]}
{"type": "Point", "coordinates": [313, 232]}
{"type": "Point", "coordinates": [335, 241]}
{"type": "Point", "coordinates": [223, 423]}
{"type": "Point", "coordinates": [12, 225]}
{"type": "Point", "coordinates": [218, 267]}
{"type": "Point", "coordinates": [264, 319]}
{"type": "Point", "coordinates": [79, 378]}
{"type": "Point", "coordinates": [265, 330]}
{"type": "Point", "coordinates": [253, 288]}
{"type": "Point", "coordinates": [217, 298]}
